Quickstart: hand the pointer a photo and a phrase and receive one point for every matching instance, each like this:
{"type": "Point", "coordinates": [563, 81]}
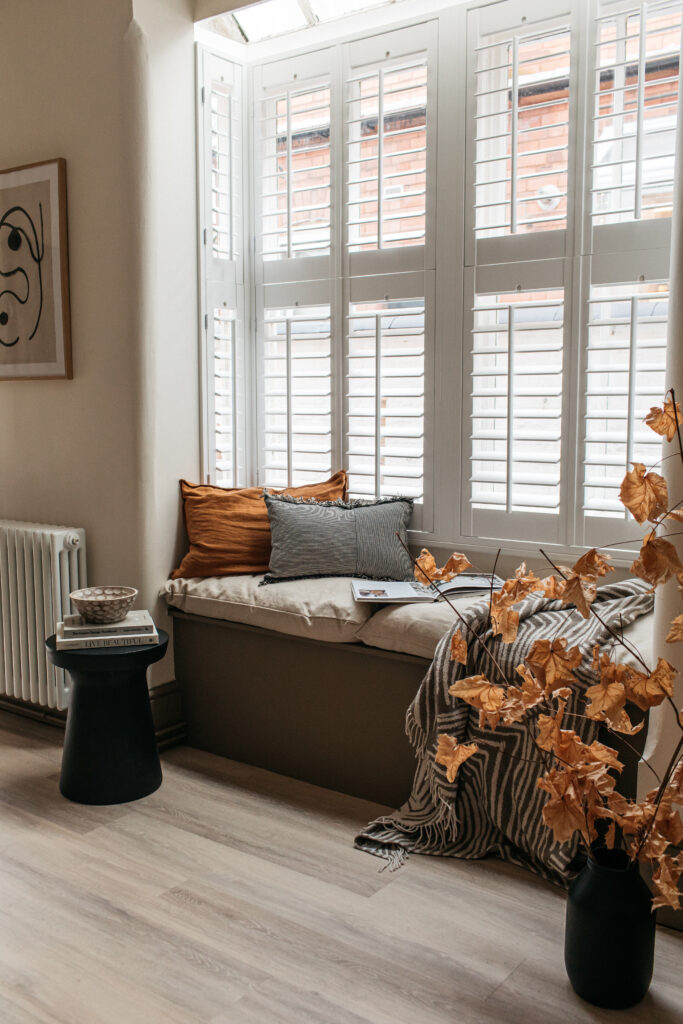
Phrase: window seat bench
{"type": "Point", "coordinates": [300, 679]}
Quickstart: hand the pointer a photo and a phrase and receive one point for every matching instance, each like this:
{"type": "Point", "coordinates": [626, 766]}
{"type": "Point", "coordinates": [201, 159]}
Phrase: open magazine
{"type": "Point", "coordinates": [395, 592]}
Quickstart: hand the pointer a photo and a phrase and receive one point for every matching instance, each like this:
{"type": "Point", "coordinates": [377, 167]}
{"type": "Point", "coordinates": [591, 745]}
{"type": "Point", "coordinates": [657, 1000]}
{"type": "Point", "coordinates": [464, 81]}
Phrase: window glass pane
{"type": "Point", "coordinates": [387, 157]}
{"type": "Point", "coordinates": [385, 403]}
{"type": "Point", "coordinates": [522, 132]}
{"type": "Point", "coordinates": [272, 18]}
{"type": "Point", "coordinates": [517, 401]}
{"type": "Point", "coordinates": [625, 377]}
{"type": "Point", "coordinates": [326, 10]}
{"type": "Point", "coordinates": [636, 101]}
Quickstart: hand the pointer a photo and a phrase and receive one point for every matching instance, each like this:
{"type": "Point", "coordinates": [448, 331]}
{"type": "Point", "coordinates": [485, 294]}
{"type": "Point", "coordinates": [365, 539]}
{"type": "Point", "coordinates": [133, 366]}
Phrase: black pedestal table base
{"type": "Point", "coordinates": [110, 753]}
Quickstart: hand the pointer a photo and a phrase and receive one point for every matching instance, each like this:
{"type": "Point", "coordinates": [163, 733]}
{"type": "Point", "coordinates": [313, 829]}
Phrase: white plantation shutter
{"type": "Point", "coordinates": [295, 121]}
{"type": "Point", "coordinates": [624, 376]}
{"type": "Point", "coordinates": [385, 398]}
{"type": "Point", "coordinates": [296, 391]}
{"type": "Point", "coordinates": [227, 398]}
{"type": "Point", "coordinates": [296, 118]}
{"type": "Point", "coordinates": [389, 163]}
{"type": "Point", "coordinates": [221, 208]}
{"type": "Point", "coordinates": [516, 404]}
{"type": "Point", "coordinates": [517, 401]}
{"type": "Point", "coordinates": [389, 173]}
{"type": "Point", "coordinates": [635, 96]}
{"type": "Point", "coordinates": [522, 131]}
{"type": "Point", "coordinates": [387, 155]}
{"type": "Point", "coordinates": [521, 98]}
{"type": "Point", "coordinates": [295, 173]}
{"type": "Point", "coordinates": [522, 86]}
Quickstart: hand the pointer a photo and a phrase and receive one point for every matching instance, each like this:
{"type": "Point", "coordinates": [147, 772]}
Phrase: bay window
{"type": "Point", "coordinates": [437, 255]}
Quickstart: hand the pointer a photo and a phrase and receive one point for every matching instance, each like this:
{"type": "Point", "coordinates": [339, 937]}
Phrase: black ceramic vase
{"type": "Point", "coordinates": [609, 941]}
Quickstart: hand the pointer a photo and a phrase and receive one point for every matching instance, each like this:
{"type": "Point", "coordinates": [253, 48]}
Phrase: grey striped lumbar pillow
{"type": "Point", "coordinates": [338, 538]}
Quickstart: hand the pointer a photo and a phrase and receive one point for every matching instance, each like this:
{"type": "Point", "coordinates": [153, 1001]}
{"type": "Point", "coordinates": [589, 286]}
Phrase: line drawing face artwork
{"type": "Point", "coordinates": [35, 324]}
{"type": "Point", "coordinates": [22, 250]}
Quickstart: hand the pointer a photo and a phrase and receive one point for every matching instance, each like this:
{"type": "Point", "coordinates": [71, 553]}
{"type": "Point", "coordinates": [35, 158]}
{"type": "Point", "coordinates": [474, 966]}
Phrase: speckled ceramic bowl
{"type": "Point", "coordinates": [103, 604]}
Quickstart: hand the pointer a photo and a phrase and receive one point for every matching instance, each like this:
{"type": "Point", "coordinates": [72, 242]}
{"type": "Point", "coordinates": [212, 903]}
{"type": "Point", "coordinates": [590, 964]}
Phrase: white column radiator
{"type": "Point", "coordinates": [39, 567]}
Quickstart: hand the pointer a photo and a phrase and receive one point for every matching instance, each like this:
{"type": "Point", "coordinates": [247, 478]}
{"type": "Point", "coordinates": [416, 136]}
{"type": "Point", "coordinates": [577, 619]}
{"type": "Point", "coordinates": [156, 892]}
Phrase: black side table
{"type": "Point", "coordinates": [110, 753]}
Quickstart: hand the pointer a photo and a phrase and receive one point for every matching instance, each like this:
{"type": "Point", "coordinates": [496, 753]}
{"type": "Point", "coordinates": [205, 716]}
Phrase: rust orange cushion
{"type": "Point", "coordinates": [228, 529]}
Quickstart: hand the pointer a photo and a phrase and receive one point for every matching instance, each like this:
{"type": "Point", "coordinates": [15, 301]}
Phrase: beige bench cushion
{"type": "Point", "coordinates": [318, 609]}
{"type": "Point", "coordinates": [412, 628]}
{"type": "Point", "coordinates": [417, 628]}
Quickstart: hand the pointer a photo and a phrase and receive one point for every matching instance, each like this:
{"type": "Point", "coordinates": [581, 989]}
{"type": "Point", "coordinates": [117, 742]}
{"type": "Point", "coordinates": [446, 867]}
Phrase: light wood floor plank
{"type": "Point", "coordinates": [234, 896]}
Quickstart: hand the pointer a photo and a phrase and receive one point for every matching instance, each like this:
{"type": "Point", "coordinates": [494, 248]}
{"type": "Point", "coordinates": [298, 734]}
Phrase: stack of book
{"type": "Point", "coordinates": [135, 630]}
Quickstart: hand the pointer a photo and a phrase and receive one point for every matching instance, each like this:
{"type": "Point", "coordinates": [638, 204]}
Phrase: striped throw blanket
{"type": "Point", "coordinates": [494, 806]}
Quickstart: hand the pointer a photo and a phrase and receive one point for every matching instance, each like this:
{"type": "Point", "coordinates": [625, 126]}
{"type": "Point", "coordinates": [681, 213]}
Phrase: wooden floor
{"type": "Point", "coordinates": [233, 896]}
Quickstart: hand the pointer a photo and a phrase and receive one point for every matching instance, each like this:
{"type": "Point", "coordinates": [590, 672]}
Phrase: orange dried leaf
{"type": "Point", "coordinates": [505, 620]}
{"type": "Point", "coordinates": [562, 813]}
{"type": "Point", "coordinates": [592, 564]}
{"type": "Point", "coordinates": [675, 634]}
{"type": "Point", "coordinates": [674, 790]}
{"type": "Point", "coordinates": [647, 691]}
{"type": "Point", "coordinates": [458, 648]}
{"type": "Point", "coordinates": [580, 591]}
{"type": "Point", "coordinates": [606, 698]}
{"type": "Point", "coordinates": [644, 494]}
{"type": "Point", "coordinates": [552, 663]}
{"type": "Point", "coordinates": [620, 722]}
{"type": "Point", "coordinates": [518, 586]}
{"type": "Point", "coordinates": [665, 883]}
{"type": "Point", "coordinates": [658, 561]}
{"type": "Point", "coordinates": [514, 708]}
{"type": "Point", "coordinates": [456, 564]}
{"type": "Point", "coordinates": [562, 742]}
{"type": "Point", "coordinates": [532, 692]}
{"type": "Point", "coordinates": [452, 754]}
{"type": "Point", "coordinates": [604, 755]}
{"type": "Point", "coordinates": [675, 513]}
{"type": "Point", "coordinates": [662, 419]}
{"type": "Point", "coordinates": [478, 692]}
{"type": "Point", "coordinates": [425, 566]}
{"type": "Point", "coordinates": [668, 824]}
{"type": "Point", "coordinates": [553, 587]}
{"type": "Point", "coordinates": [426, 570]}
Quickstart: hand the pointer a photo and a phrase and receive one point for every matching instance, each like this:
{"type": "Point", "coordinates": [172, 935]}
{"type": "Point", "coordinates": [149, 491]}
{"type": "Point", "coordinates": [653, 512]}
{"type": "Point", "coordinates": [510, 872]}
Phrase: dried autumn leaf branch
{"type": "Point", "coordinates": [580, 778]}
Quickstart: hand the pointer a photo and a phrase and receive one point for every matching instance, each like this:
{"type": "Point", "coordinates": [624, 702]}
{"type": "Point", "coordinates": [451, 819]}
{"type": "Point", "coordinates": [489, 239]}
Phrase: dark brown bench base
{"type": "Point", "coordinates": [331, 714]}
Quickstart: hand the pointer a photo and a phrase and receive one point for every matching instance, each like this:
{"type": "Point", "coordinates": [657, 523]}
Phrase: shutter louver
{"type": "Point", "coordinates": [387, 156]}
{"type": "Point", "coordinates": [222, 250]}
{"type": "Point", "coordinates": [636, 100]}
{"type": "Point", "coordinates": [225, 393]}
{"type": "Point", "coordinates": [223, 200]}
{"type": "Point", "coordinates": [517, 402]}
{"type": "Point", "coordinates": [385, 398]}
{"type": "Point", "coordinates": [521, 133]}
{"type": "Point", "coordinates": [295, 182]}
{"type": "Point", "coordinates": [297, 396]}
{"type": "Point", "coordinates": [625, 376]}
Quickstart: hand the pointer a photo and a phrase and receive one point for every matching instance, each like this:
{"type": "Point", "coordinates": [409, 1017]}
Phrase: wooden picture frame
{"type": "Point", "coordinates": [35, 320]}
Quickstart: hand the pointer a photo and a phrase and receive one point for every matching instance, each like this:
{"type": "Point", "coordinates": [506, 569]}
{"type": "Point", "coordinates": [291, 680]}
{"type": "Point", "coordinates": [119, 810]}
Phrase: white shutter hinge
{"type": "Point", "coordinates": [206, 321]}
{"type": "Point", "coordinates": [204, 236]}
{"type": "Point", "coordinates": [203, 94]}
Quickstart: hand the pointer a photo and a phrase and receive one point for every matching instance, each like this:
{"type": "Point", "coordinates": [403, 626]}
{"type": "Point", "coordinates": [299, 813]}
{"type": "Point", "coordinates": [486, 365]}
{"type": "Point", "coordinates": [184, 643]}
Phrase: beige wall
{"type": "Point", "coordinates": [108, 84]}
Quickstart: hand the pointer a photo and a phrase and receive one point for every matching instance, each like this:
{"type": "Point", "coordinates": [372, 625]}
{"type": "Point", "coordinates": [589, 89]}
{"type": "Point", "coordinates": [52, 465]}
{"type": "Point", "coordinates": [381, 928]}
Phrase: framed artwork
{"type": "Point", "coordinates": [35, 326]}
